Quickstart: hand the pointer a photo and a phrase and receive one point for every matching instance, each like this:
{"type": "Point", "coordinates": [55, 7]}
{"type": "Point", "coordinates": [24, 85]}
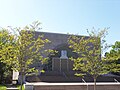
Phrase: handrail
{"type": "Point", "coordinates": [64, 75]}
{"type": "Point", "coordinates": [116, 80]}
{"type": "Point", "coordinates": [85, 82]}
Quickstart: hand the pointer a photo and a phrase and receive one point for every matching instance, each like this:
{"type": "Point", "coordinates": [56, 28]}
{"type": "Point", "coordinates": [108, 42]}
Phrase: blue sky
{"type": "Point", "coordinates": [64, 16]}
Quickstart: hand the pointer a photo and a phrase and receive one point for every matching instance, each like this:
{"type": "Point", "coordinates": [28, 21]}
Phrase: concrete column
{"type": "Point", "coordinates": [63, 64]}
{"type": "Point", "coordinates": [15, 77]}
{"type": "Point", "coordinates": [56, 64]}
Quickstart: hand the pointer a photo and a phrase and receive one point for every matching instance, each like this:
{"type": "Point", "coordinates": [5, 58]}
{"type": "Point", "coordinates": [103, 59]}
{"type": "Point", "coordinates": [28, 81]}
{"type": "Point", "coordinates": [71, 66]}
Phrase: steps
{"type": "Point", "coordinates": [54, 76]}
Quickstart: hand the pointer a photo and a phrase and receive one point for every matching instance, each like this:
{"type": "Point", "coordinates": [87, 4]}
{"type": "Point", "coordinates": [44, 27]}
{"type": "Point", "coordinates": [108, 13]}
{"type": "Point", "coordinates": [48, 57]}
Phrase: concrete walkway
{"type": "Point", "coordinates": [98, 83]}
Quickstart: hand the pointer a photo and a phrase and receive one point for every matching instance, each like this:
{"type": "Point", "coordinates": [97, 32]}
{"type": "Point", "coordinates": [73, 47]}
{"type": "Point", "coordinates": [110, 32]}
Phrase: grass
{"type": "Point", "coordinates": [19, 87]}
{"type": "Point", "coordinates": [3, 87]}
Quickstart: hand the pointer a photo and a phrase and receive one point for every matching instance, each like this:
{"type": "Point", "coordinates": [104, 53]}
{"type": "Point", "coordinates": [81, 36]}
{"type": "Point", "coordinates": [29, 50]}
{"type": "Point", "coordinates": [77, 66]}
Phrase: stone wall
{"type": "Point", "coordinates": [77, 87]}
{"type": "Point", "coordinates": [80, 86]}
{"type": "Point", "coordinates": [55, 38]}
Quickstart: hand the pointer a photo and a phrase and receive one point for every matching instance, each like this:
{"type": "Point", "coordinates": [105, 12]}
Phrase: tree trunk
{"type": "Point", "coordinates": [2, 78]}
{"type": "Point", "coordinates": [21, 82]}
{"type": "Point", "coordinates": [94, 83]}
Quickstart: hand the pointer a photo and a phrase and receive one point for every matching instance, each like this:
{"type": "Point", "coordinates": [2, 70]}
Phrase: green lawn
{"type": "Point", "coordinates": [3, 87]}
{"type": "Point", "coordinates": [22, 87]}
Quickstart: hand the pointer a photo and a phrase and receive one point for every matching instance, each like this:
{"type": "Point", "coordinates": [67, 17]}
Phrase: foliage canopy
{"type": "Point", "coordinates": [23, 48]}
{"type": "Point", "coordinates": [113, 57]}
{"type": "Point", "coordinates": [89, 51]}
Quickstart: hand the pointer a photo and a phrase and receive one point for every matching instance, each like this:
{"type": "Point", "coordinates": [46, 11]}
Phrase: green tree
{"type": "Point", "coordinates": [89, 51]}
{"type": "Point", "coordinates": [28, 48]}
{"type": "Point", "coordinates": [6, 41]}
{"type": "Point", "coordinates": [113, 57]}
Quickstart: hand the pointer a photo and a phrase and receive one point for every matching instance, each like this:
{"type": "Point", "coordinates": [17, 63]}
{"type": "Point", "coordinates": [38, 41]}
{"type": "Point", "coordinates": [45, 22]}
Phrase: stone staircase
{"type": "Point", "coordinates": [54, 76]}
